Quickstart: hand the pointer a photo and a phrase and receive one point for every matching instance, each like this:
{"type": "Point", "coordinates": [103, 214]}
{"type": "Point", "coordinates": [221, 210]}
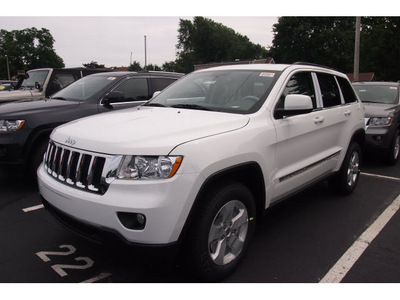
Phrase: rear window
{"type": "Point", "coordinates": [386, 94]}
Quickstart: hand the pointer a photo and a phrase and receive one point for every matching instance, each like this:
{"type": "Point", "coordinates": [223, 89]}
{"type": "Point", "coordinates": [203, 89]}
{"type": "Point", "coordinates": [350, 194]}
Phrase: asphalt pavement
{"type": "Point", "coordinates": [299, 240]}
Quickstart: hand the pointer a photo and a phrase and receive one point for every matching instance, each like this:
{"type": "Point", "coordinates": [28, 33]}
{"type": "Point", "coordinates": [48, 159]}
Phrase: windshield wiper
{"type": "Point", "coordinates": [154, 104]}
{"type": "Point", "coordinates": [58, 98]}
{"type": "Point", "coordinates": [191, 106]}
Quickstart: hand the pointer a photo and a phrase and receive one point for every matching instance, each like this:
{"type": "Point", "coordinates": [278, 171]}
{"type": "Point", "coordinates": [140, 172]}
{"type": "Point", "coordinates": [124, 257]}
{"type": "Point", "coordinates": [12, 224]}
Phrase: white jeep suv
{"type": "Point", "coordinates": [198, 164]}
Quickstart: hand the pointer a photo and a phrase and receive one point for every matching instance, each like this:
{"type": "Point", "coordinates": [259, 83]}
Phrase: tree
{"type": "Point", "coordinates": [93, 65]}
{"type": "Point", "coordinates": [152, 67]}
{"type": "Point", "coordinates": [380, 47]}
{"type": "Point", "coordinates": [170, 66]}
{"type": "Point", "coordinates": [27, 49]}
{"type": "Point", "coordinates": [204, 40]}
{"type": "Point", "coordinates": [322, 40]}
{"type": "Point", "coordinates": [135, 66]}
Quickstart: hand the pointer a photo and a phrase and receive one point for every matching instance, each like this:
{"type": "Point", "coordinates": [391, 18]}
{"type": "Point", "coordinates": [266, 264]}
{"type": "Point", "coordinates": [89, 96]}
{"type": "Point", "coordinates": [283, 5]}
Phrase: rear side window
{"type": "Point", "coordinates": [159, 84]}
{"type": "Point", "coordinates": [329, 90]}
{"type": "Point", "coordinates": [301, 84]}
{"type": "Point", "coordinates": [134, 89]}
{"type": "Point", "coordinates": [347, 90]}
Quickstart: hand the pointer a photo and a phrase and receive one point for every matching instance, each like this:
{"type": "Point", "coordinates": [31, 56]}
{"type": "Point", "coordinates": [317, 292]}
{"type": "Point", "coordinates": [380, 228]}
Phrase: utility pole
{"type": "Point", "coordinates": [145, 54]}
{"type": "Point", "coordinates": [8, 68]}
{"type": "Point", "coordinates": [357, 50]}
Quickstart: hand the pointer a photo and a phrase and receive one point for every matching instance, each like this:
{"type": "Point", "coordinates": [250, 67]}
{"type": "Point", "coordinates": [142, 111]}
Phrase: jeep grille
{"type": "Point", "coordinates": [92, 172]}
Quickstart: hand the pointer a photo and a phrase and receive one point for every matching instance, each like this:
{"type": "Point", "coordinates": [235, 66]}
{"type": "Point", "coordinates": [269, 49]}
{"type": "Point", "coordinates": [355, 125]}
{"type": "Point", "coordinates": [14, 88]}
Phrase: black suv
{"type": "Point", "coordinates": [382, 117]}
{"type": "Point", "coordinates": [25, 126]}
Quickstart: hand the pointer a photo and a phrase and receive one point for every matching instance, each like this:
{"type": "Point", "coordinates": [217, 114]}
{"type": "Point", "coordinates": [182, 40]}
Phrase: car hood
{"type": "Point", "coordinates": [20, 109]}
{"type": "Point", "coordinates": [145, 131]}
{"type": "Point", "coordinates": [379, 109]}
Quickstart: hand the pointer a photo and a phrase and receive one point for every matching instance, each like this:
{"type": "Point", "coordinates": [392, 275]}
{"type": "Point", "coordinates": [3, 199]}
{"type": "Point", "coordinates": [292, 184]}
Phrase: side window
{"type": "Point", "coordinates": [329, 90]}
{"type": "Point", "coordinates": [158, 84]}
{"type": "Point", "coordinates": [347, 90]}
{"type": "Point", "coordinates": [302, 84]}
{"type": "Point", "coordinates": [134, 89]}
{"type": "Point", "coordinates": [60, 81]}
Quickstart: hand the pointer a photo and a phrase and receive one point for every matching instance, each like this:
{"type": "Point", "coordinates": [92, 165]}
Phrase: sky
{"type": "Point", "coordinates": [113, 32]}
{"type": "Point", "coordinates": [118, 40]}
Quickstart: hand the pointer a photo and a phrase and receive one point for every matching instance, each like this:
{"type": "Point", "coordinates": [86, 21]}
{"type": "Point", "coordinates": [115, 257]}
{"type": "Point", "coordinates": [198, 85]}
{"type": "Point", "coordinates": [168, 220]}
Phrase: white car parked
{"type": "Point", "coordinates": [197, 165]}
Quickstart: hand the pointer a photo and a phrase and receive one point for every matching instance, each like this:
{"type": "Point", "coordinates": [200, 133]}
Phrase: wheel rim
{"type": "Point", "coordinates": [354, 169]}
{"type": "Point", "coordinates": [396, 148]}
{"type": "Point", "coordinates": [228, 233]}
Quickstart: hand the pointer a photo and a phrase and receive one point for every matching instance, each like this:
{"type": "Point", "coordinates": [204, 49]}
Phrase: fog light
{"type": "Point", "coordinates": [135, 221]}
{"type": "Point", "coordinates": [378, 138]}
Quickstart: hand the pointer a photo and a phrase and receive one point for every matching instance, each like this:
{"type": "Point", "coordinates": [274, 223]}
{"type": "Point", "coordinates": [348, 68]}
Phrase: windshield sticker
{"type": "Point", "coordinates": [112, 78]}
{"type": "Point", "coordinates": [267, 74]}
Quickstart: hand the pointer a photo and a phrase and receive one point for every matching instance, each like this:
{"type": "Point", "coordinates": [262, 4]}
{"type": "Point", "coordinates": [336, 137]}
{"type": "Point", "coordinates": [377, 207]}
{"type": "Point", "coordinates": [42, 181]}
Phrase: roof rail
{"type": "Point", "coordinates": [312, 64]}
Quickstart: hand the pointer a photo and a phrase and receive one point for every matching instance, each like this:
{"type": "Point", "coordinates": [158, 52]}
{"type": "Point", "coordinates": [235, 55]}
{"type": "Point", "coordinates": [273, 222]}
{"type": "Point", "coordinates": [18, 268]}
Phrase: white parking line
{"type": "Point", "coordinates": [32, 208]}
{"type": "Point", "coordinates": [346, 262]}
{"type": "Point", "coordinates": [97, 278]}
{"type": "Point", "coordinates": [381, 176]}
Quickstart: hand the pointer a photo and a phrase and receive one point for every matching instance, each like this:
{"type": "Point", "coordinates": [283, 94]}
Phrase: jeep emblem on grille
{"type": "Point", "coordinates": [70, 141]}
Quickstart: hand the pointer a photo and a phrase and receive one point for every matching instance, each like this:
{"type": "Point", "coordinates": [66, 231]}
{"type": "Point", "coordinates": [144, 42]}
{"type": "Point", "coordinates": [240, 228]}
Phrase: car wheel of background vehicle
{"type": "Point", "coordinates": [346, 179]}
{"type": "Point", "coordinates": [221, 232]}
{"type": "Point", "coordinates": [394, 151]}
{"type": "Point", "coordinates": [36, 157]}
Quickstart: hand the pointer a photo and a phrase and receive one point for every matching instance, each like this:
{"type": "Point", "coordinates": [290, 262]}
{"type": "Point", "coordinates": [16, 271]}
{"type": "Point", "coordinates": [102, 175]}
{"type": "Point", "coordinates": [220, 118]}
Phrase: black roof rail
{"type": "Point", "coordinates": [312, 64]}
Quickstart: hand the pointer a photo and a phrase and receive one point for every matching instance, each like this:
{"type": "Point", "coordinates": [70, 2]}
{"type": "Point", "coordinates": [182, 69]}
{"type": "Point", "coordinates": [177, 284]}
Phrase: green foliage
{"type": "Point", "coordinates": [204, 41]}
{"type": "Point", "coordinates": [152, 67]}
{"type": "Point", "coordinates": [93, 65]}
{"type": "Point", "coordinates": [380, 47]}
{"type": "Point", "coordinates": [135, 66]}
{"type": "Point", "coordinates": [322, 40]}
{"type": "Point", "coordinates": [330, 41]}
{"type": "Point", "coordinates": [27, 49]}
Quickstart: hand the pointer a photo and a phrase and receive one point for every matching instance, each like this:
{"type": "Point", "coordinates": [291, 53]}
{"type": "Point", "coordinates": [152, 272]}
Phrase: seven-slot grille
{"type": "Point", "coordinates": [77, 168]}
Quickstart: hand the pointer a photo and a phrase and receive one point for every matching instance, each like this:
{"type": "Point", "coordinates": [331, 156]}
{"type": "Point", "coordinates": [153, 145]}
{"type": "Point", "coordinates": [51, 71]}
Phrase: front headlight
{"type": "Point", "coordinates": [11, 125]}
{"type": "Point", "coordinates": [380, 122]}
{"type": "Point", "coordinates": [148, 167]}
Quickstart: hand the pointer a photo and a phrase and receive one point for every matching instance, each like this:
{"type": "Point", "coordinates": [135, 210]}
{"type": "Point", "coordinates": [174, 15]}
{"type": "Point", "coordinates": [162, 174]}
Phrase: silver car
{"type": "Point", "coordinates": [382, 109]}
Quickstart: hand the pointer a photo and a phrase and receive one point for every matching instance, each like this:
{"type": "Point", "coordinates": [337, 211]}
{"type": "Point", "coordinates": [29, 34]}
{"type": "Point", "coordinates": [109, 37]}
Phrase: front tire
{"type": "Point", "coordinates": [221, 232]}
{"type": "Point", "coordinates": [394, 151]}
{"type": "Point", "coordinates": [347, 178]}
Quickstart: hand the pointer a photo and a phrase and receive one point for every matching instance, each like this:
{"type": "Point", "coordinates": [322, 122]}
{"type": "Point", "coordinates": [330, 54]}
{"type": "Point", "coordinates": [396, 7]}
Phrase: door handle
{"type": "Point", "coordinates": [347, 113]}
{"type": "Point", "coordinates": [319, 120]}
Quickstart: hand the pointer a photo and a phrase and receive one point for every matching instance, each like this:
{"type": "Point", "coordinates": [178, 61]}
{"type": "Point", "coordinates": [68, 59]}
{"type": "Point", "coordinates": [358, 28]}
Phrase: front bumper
{"type": "Point", "coordinates": [164, 203]}
{"type": "Point", "coordinates": [379, 138]}
{"type": "Point", "coordinates": [13, 148]}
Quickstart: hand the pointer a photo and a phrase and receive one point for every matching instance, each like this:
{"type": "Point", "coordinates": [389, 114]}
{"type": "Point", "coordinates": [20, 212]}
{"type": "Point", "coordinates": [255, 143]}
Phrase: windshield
{"type": "Point", "coordinates": [387, 94]}
{"type": "Point", "coordinates": [35, 76]}
{"type": "Point", "coordinates": [235, 91]}
{"type": "Point", "coordinates": [84, 88]}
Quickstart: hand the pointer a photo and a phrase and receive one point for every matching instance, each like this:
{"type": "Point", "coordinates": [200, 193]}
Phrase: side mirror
{"type": "Point", "coordinates": [156, 94]}
{"type": "Point", "coordinates": [295, 105]}
{"type": "Point", "coordinates": [38, 86]}
{"type": "Point", "coordinates": [112, 97]}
